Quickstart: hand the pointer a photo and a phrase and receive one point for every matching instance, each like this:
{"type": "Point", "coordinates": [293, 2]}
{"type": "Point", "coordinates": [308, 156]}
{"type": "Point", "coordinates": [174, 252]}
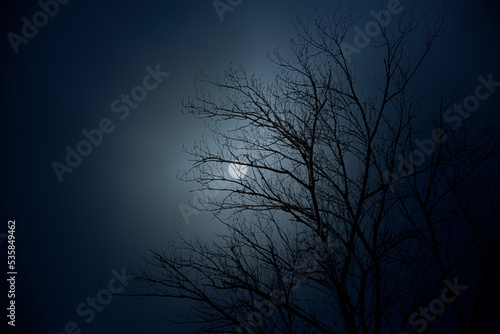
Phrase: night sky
{"type": "Point", "coordinates": [75, 231]}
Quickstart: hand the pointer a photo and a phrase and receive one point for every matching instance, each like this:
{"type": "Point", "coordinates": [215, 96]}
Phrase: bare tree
{"type": "Point", "coordinates": [331, 226]}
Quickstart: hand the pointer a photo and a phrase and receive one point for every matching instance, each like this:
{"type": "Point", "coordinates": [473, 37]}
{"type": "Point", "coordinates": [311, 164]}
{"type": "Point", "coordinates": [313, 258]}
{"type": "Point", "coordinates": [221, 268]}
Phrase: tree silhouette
{"type": "Point", "coordinates": [350, 216]}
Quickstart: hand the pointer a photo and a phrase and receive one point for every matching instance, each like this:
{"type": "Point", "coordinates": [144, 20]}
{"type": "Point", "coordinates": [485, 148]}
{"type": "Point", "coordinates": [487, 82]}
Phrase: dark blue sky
{"type": "Point", "coordinates": [125, 194]}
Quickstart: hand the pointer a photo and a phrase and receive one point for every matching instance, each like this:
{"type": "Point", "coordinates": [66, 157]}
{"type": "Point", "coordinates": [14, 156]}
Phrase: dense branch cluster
{"type": "Point", "coordinates": [328, 231]}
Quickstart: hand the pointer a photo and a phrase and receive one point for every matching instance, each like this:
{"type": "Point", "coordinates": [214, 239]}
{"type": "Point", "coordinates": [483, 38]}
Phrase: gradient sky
{"type": "Point", "coordinates": [125, 194]}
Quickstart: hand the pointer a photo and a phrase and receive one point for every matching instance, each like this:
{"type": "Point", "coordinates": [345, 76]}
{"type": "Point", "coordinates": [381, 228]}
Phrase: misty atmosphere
{"type": "Point", "coordinates": [237, 166]}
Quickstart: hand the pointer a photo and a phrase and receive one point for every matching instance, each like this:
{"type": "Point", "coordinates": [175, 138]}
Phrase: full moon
{"type": "Point", "coordinates": [237, 171]}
